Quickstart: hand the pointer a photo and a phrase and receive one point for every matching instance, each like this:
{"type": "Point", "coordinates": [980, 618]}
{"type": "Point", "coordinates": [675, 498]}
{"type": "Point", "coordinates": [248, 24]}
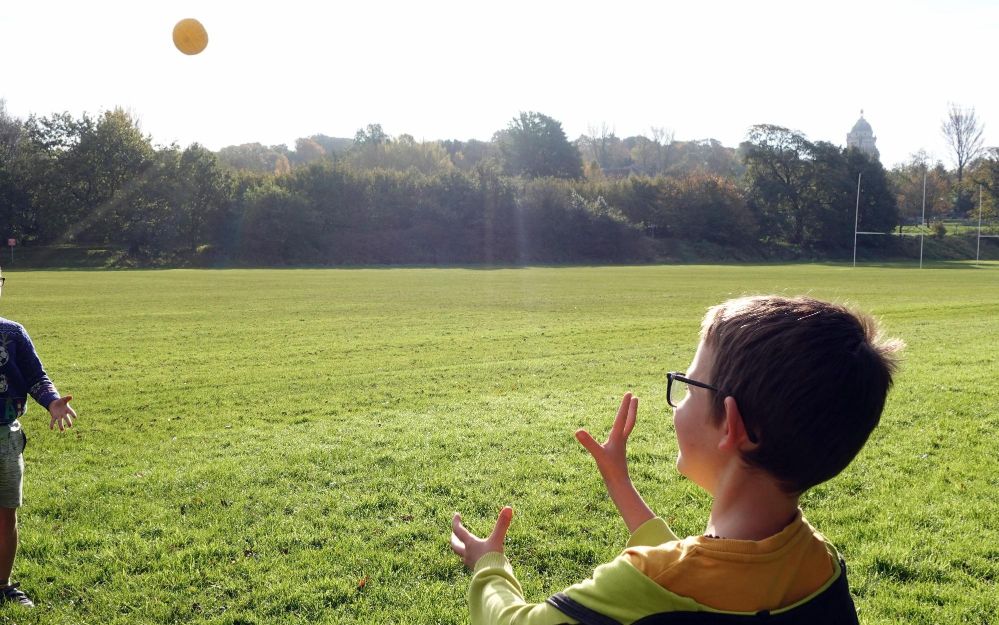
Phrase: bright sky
{"type": "Point", "coordinates": [276, 71]}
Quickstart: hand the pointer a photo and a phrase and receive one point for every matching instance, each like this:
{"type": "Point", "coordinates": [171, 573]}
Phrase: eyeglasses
{"type": "Point", "coordinates": [677, 389]}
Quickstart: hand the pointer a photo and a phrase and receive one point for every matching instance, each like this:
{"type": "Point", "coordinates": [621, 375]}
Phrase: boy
{"type": "Point", "coordinates": [21, 374]}
{"type": "Point", "coordinates": [781, 395]}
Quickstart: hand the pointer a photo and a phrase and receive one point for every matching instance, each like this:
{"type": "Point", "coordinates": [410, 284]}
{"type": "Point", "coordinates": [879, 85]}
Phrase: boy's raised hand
{"type": "Point", "coordinates": [611, 457]}
{"type": "Point", "coordinates": [612, 460]}
{"type": "Point", "coordinates": [470, 547]}
{"type": "Point", "coordinates": [62, 413]}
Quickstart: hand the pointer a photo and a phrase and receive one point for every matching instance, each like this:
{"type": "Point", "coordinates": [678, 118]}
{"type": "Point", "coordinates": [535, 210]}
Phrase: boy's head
{"type": "Point", "coordinates": [809, 378]}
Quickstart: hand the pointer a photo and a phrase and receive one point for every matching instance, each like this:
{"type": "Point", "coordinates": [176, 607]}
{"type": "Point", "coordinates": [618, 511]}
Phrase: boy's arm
{"type": "Point", "coordinates": [495, 596]}
{"type": "Point", "coordinates": [612, 462]}
{"type": "Point", "coordinates": [40, 387]}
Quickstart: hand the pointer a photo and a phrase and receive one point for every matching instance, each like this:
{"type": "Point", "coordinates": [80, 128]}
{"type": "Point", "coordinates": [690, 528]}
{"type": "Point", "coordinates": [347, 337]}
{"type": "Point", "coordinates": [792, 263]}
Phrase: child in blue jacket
{"type": "Point", "coordinates": [21, 375]}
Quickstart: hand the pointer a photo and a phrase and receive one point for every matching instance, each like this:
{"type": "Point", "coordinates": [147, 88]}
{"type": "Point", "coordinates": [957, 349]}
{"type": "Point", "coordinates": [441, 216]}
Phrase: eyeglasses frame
{"type": "Point", "coordinates": [680, 377]}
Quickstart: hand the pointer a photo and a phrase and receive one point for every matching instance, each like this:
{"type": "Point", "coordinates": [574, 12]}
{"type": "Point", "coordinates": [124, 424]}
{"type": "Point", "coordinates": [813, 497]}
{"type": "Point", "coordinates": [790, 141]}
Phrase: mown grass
{"type": "Point", "coordinates": [288, 446]}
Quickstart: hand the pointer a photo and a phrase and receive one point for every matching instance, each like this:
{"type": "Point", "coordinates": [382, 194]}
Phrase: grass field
{"type": "Point", "coordinates": [288, 446]}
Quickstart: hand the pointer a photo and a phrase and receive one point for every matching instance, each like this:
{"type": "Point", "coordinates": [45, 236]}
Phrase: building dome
{"type": "Point", "coordinates": [862, 125]}
{"type": "Point", "coordinates": [862, 137]}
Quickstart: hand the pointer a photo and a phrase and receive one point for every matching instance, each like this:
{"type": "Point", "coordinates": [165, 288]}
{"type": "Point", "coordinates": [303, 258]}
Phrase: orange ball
{"type": "Point", "coordinates": [190, 36]}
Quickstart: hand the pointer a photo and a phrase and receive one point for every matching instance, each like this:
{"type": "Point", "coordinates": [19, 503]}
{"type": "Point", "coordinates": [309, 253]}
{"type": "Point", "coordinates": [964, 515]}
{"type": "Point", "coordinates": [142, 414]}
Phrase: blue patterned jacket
{"type": "Point", "coordinates": [21, 373]}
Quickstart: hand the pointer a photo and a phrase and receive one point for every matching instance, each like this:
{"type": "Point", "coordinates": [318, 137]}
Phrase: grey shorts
{"type": "Point", "coordinates": [12, 442]}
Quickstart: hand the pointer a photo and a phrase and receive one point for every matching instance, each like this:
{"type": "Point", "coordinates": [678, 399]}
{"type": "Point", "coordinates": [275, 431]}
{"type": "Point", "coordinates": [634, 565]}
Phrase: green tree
{"type": "Point", "coordinates": [708, 207]}
{"type": "Point", "coordinates": [805, 192]}
{"type": "Point", "coordinates": [534, 145]}
{"type": "Point", "coordinates": [777, 175]}
{"type": "Point", "coordinates": [278, 226]}
{"type": "Point", "coordinates": [107, 163]}
{"type": "Point", "coordinates": [58, 200]}
{"type": "Point", "coordinates": [468, 155]}
{"type": "Point", "coordinates": [829, 198]}
{"type": "Point", "coordinates": [372, 134]}
{"type": "Point", "coordinates": [642, 200]}
{"type": "Point", "coordinates": [645, 154]}
{"type": "Point", "coordinates": [254, 157]}
{"type": "Point", "coordinates": [11, 131]}
{"type": "Point", "coordinates": [986, 173]}
{"type": "Point", "coordinates": [83, 172]}
{"type": "Point", "coordinates": [706, 156]}
{"type": "Point", "coordinates": [878, 205]}
{"type": "Point", "coordinates": [149, 222]}
{"type": "Point", "coordinates": [15, 201]}
{"type": "Point", "coordinates": [204, 193]}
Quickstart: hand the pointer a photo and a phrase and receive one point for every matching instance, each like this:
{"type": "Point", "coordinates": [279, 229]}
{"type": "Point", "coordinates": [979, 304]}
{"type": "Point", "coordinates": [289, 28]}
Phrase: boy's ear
{"type": "Point", "coordinates": [734, 437]}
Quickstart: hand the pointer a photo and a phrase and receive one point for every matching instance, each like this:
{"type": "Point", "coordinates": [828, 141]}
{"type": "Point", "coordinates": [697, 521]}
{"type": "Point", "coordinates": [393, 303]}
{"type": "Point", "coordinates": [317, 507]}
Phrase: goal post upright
{"type": "Point", "coordinates": [978, 246]}
{"type": "Point", "coordinates": [856, 221]}
{"type": "Point", "coordinates": [922, 224]}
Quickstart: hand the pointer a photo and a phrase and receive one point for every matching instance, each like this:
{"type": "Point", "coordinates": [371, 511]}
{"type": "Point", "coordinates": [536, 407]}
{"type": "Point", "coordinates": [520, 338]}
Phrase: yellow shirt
{"type": "Point", "coordinates": [741, 575]}
{"type": "Point", "coordinates": [659, 572]}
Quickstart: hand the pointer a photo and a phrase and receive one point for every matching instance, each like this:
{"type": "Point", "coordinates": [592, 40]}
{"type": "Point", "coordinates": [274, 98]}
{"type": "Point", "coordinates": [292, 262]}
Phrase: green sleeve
{"type": "Point", "coordinates": [495, 596]}
{"type": "Point", "coordinates": [651, 533]}
{"type": "Point", "coordinates": [616, 589]}
{"type": "Point", "coordinates": [621, 592]}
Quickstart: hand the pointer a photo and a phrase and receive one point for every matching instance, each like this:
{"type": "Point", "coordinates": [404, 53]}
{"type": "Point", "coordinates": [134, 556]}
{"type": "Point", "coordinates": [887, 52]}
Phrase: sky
{"type": "Point", "coordinates": [277, 71]}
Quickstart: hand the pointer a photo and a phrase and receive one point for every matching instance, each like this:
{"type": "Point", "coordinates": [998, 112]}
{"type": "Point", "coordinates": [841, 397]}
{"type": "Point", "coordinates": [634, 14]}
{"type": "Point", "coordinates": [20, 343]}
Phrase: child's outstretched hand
{"type": "Point", "coordinates": [470, 547]}
{"type": "Point", "coordinates": [62, 413]}
{"type": "Point", "coordinates": [611, 457]}
{"type": "Point", "coordinates": [612, 460]}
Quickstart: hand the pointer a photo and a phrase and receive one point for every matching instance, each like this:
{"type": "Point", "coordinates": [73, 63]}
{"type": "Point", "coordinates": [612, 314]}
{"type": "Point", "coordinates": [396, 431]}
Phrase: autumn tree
{"type": "Point", "coordinates": [255, 157]}
{"type": "Point", "coordinates": [403, 154]}
{"type": "Point", "coordinates": [909, 180]}
{"type": "Point", "coordinates": [307, 150]}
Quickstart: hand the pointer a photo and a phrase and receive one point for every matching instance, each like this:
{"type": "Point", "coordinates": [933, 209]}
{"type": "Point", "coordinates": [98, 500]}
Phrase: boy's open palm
{"type": "Point", "coordinates": [611, 457]}
{"type": "Point", "coordinates": [470, 547]}
{"type": "Point", "coordinates": [62, 413]}
{"type": "Point", "coordinates": [612, 460]}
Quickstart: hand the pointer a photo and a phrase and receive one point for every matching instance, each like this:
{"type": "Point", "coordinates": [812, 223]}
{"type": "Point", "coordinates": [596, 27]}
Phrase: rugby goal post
{"type": "Point", "coordinates": [856, 224]}
{"type": "Point", "coordinates": [921, 235]}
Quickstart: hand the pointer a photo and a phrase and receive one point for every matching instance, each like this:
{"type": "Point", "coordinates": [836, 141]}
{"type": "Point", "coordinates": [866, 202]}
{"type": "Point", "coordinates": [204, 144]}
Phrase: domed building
{"type": "Point", "coordinates": [862, 137]}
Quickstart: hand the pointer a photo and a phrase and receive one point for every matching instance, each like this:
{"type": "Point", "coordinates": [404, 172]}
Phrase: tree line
{"type": "Point", "coordinates": [529, 194]}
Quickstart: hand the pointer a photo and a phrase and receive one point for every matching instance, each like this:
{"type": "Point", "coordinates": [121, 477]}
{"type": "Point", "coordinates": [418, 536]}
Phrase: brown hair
{"type": "Point", "coordinates": [810, 379]}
